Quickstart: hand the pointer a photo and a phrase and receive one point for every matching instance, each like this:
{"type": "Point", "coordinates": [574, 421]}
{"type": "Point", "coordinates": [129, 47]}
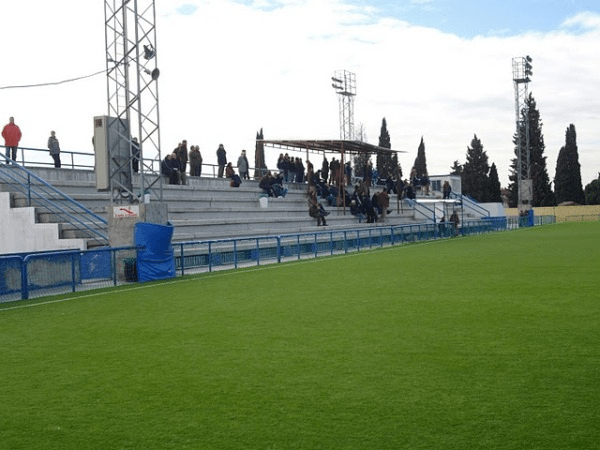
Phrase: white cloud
{"type": "Point", "coordinates": [232, 67]}
{"type": "Point", "coordinates": [585, 20]}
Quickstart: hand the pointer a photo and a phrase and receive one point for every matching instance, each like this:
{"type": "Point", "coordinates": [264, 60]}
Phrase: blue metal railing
{"type": "Point", "coordinates": [41, 194]}
{"type": "Point", "coordinates": [25, 276]}
{"type": "Point", "coordinates": [470, 203]}
{"type": "Point", "coordinates": [418, 208]}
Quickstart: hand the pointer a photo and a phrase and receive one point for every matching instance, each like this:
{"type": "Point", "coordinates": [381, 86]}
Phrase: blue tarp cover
{"type": "Point", "coordinates": [157, 260]}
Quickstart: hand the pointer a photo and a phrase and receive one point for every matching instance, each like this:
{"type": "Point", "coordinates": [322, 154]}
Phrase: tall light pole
{"type": "Point", "coordinates": [522, 72]}
{"type": "Point", "coordinates": [132, 94]}
{"type": "Point", "coordinates": [344, 83]}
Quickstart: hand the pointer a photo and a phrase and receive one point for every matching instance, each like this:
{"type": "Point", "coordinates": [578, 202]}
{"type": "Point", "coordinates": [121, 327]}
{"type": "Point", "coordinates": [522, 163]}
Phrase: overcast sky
{"type": "Point", "coordinates": [440, 69]}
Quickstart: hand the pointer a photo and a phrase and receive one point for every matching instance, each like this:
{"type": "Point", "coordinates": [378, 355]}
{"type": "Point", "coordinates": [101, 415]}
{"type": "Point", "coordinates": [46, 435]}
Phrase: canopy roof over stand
{"type": "Point", "coordinates": [328, 146]}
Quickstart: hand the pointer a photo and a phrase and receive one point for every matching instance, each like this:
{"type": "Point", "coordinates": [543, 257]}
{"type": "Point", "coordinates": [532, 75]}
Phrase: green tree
{"type": "Point", "coordinates": [386, 165]}
{"type": "Point", "coordinates": [420, 164]}
{"type": "Point", "coordinates": [494, 188]}
{"type": "Point", "coordinates": [542, 191]}
{"type": "Point", "coordinates": [475, 181]}
{"type": "Point", "coordinates": [592, 192]}
{"type": "Point", "coordinates": [567, 181]}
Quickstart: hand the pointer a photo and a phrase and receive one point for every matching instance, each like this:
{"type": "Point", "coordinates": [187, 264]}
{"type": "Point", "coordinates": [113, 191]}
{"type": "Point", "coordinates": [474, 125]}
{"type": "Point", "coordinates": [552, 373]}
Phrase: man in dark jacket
{"type": "Point", "coordinates": [221, 159]}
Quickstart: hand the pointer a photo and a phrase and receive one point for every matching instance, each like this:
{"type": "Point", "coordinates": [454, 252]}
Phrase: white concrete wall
{"type": "Point", "coordinates": [19, 232]}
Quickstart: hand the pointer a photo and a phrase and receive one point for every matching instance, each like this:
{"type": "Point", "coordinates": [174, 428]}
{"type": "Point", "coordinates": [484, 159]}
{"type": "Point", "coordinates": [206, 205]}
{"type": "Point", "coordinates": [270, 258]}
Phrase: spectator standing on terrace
{"type": "Point", "coordinates": [221, 159]}
{"type": "Point", "coordinates": [415, 181]}
{"type": "Point", "coordinates": [447, 190]}
{"type": "Point", "coordinates": [454, 220]}
{"type": "Point", "coordinates": [54, 149]}
{"type": "Point", "coordinates": [348, 170]}
{"type": "Point", "coordinates": [286, 168]}
{"type": "Point", "coordinates": [12, 135]}
{"type": "Point", "coordinates": [182, 155]}
{"type": "Point", "coordinates": [368, 173]}
{"type": "Point", "coordinates": [334, 168]}
{"type": "Point", "coordinates": [135, 155]}
{"type": "Point", "coordinates": [400, 186]}
{"type": "Point", "coordinates": [425, 182]}
{"type": "Point", "coordinates": [309, 175]}
{"type": "Point", "coordinates": [409, 190]}
{"type": "Point", "coordinates": [299, 171]}
{"type": "Point", "coordinates": [325, 169]}
{"type": "Point", "coordinates": [280, 163]}
{"type": "Point", "coordinates": [195, 161]}
{"type": "Point", "coordinates": [292, 169]}
{"type": "Point", "coordinates": [383, 200]}
{"type": "Point", "coordinates": [243, 166]}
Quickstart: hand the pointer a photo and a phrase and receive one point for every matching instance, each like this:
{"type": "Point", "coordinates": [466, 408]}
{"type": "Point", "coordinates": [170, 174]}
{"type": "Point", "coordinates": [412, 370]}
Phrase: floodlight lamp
{"type": "Point", "coordinates": [337, 80]}
{"type": "Point", "coordinates": [154, 74]}
{"type": "Point", "coordinates": [335, 86]}
{"type": "Point", "coordinates": [149, 52]}
{"type": "Point", "coordinates": [528, 58]}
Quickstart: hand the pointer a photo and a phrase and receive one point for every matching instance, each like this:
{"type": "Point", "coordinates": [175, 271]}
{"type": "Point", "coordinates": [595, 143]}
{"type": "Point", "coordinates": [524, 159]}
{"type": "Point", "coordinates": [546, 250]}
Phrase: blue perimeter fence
{"type": "Point", "coordinates": [32, 275]}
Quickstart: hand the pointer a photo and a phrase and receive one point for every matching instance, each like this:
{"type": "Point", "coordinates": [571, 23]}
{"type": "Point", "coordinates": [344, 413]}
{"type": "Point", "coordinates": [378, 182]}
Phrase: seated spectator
{"type": "Point", "coordinates": [266, 184]}
{"type": "Point", "coordinates": [278, 188]}
{"type": "Point", "coordinates": [332, 196]}
{"type": "Point", "coordinates": [369, 209]}
{"type": "Point", "coordinates": [316, 210]}
{"type": "Point", "coordinates": [234, 177]}
{"type": "Point", "coordinates": [170, 167]}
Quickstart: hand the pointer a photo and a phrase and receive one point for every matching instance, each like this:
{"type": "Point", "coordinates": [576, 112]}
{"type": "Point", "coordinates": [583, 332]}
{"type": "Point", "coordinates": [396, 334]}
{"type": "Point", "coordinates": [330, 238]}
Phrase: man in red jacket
{"type": "Point", "coordinates": [12, 135]}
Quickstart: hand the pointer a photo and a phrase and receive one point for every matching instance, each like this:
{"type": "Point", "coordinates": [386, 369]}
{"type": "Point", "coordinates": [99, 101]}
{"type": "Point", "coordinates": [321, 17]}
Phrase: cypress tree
{"type": "Point", "coordinates": [475, 182]}
{"type": "Point", "coordinates": [494, 189]}
{"type": "Point", "coordinates": [421, 160]}
{"type": "Point", "coordinates": [385, 163]}
{"type": "Point", "coordinates": [567, 181]}
{"type": "Point", "coordinates": [542, 192]}
{"type": "Point", "coordinates": [259, 157]}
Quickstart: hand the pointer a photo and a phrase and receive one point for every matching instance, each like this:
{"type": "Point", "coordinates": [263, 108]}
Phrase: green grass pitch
{"type": "Point", "coordinates": [481, 342]}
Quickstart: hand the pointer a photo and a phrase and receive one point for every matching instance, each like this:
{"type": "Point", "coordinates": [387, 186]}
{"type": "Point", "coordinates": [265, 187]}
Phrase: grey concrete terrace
{"type": "Point", "coordinates": [208, 208]}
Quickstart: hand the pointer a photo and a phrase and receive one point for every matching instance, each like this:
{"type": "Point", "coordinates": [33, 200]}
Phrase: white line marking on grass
{"type": "Point", "coordinates": [227, 272]}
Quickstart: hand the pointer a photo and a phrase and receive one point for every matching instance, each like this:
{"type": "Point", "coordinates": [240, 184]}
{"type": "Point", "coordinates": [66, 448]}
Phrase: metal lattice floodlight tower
{"type": "Point", "coordinates": [133, 97]}
{"type": "Point", "coordinates": [522, 72]}
{"type": "Point", "coordinates": [344, 82]}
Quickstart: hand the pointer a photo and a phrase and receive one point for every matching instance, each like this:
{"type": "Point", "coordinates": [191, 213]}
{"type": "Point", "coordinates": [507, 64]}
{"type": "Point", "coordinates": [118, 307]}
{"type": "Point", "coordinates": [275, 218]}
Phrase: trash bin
{"type": "Point", "coordinates": [530, 218]}
{"type": "Point", "coordinates": [264, 201]}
